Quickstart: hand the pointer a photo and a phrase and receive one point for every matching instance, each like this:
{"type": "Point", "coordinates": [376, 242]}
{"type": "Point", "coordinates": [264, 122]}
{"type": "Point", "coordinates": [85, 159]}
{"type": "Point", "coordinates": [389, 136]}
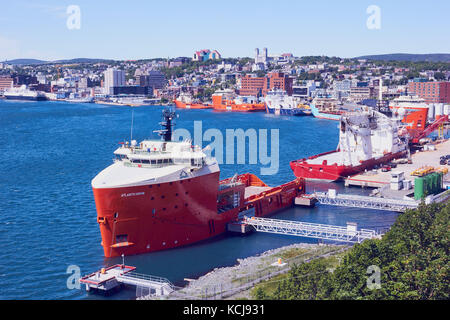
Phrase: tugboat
{"type": "Point", "coordinates": [162, 194]}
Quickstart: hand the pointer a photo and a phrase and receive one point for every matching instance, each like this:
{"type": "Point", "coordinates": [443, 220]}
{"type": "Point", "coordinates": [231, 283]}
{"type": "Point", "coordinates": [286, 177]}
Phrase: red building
{"type": "Point", "coordinates": [432, 91]}
{"type": "Point", "coordinates": [6, 83]}
{"type": "Point", "coordinates": [278, 80]}
{"type": "Point", "coordinates": [252, 86]}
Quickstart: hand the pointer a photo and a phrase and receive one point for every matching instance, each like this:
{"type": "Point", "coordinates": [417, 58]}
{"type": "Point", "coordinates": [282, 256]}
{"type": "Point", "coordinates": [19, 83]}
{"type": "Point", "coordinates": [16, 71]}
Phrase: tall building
{"type": "Point", "coordinates": [113, 78]}
{"type": "Point", "coordinates": [430, 91]}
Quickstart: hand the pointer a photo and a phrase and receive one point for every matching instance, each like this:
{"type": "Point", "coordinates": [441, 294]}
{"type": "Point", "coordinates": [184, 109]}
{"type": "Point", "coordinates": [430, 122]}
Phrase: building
{"type": "Point", "coordinates": [278, 80]}
{"type": "Point", "coordinates": [261, 57]}
{"type": "Point", "coordinates": [113, 78]}
{"type": "Point", "coordinates": [430, 91]}
{"type": "Point", "coordinates": [251, 85]}
{"type": "Point", "coordinates": [155, 79]}
{"type": "Point", "coordinates": [6, 83]}
{"type": "Point", "coordinates": [360, 93]}
{"type": "Point", "coordinates": [206, 54]}
{"type": "Point", "coordinates": [132, 90]}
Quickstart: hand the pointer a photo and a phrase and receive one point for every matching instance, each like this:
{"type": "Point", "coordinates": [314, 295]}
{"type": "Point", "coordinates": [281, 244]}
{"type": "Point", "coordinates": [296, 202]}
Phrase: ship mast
{"type": "Point", "coordinates": [167, 124]}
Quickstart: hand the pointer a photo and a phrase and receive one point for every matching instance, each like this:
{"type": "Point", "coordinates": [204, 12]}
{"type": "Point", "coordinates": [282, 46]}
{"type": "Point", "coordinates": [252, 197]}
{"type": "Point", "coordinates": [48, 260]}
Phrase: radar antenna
{"type": "Point", "coordinates": [167, 123]}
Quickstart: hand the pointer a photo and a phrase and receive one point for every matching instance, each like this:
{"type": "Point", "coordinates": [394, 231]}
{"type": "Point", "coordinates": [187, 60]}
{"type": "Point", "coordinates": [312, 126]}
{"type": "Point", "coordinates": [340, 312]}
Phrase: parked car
{"type": "Point", "coordinates": [385, 168]}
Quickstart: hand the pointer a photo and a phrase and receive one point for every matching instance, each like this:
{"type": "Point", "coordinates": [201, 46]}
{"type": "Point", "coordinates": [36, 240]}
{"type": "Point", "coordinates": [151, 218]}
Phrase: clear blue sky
{"type": "Point", "coordinates": [135, 29]}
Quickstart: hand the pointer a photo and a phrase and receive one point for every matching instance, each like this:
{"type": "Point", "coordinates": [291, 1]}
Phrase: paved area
{"type": "Point", "coordinates": [419, 159]}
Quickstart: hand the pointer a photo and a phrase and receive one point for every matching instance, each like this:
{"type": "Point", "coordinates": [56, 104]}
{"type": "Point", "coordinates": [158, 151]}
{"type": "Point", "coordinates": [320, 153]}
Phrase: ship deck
{"type": "Point", "coordinates": [252, 190]}
{"type": "Point", "coordinates": [331, 158]}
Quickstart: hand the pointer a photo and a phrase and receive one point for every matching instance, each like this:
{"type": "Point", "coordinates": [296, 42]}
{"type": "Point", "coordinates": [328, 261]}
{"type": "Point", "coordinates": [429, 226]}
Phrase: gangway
{"type": "Point", "coordinates": [356, 201]}
{"type": "Point", "coordinates": [312, 230]}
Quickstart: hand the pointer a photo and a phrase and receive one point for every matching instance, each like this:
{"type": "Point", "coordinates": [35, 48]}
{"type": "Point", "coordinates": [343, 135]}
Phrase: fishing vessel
{"type": "Point", "coordinates": [279, 103]}
{"type": "Point", "coordinates": [185, 101]}
{"type": "Point", "coordinates": [226, 100]}
{"type": "Point", "coordinates": [23, 93]}
{"type": "Point", "coordinates": [162, 194]}
{"type": "Point", "coordinates": [366, 139]}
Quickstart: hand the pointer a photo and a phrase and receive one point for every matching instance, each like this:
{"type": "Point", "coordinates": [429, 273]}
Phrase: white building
{"type": "Point", "coordinates": [113, 78]}
{"type": "Point", "coordinates": [261, 57]}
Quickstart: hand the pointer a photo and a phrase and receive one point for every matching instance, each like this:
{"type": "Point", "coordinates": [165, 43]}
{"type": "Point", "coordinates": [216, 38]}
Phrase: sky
{"type": "Point", "coordinates": [142, 29]}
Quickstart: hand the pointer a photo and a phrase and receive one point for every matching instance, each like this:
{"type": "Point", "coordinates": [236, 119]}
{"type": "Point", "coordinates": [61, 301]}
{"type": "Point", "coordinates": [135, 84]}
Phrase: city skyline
{"type": "Point", "coordinates": [149, 29]}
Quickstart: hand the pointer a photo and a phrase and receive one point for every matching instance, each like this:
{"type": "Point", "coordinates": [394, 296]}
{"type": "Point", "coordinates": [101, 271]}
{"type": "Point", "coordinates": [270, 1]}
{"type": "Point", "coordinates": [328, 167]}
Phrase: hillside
{"type": "Point", "coordinates": [432, 57]}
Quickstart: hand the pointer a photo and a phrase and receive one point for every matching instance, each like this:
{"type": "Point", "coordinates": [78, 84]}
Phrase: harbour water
{"type": "Point", "coordinates": [49, 153]}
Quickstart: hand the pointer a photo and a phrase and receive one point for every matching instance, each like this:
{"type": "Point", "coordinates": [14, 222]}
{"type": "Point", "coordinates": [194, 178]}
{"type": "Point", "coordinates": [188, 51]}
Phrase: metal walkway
{"type": "Point", "coordinates": [155, 285]}
{"type": "Point", "coordinates": [312, 230]}
{"type": "Point", "coordinates": [356, 201]}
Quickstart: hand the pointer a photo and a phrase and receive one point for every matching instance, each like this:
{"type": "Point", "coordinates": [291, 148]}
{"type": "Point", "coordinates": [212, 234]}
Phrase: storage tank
{"type": "Point", "coordinates": [427, 188]}
{"type": "Point", "coordinates": [438, 110]}
{"type": "Point", "coordinates": [419, 188]}
{"type": "Point", "coordinates": [434, 182]}
{"type": "Point", "coordinates": [440, 181]}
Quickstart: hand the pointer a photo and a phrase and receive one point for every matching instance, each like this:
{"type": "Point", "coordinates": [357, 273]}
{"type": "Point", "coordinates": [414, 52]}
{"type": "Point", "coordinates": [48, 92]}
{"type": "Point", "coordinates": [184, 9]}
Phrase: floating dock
{"type": "Point", "coordinates": [107, 279]}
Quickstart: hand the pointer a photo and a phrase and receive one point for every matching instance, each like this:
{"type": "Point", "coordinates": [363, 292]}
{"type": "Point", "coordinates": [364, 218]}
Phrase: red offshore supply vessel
{"type": "Point", "coordinates": [225, 100]}
{"type": "Point", "coordinates": [366, 139]}
{"type": "Point", "coordinates": [162, 194]}
{"type": "Point", "coordinates": [185, 101]}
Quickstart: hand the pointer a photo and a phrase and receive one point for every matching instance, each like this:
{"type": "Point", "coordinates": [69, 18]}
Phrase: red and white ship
{"type": "Point", "coordinates": [366, 139]}
{"type": "Point", "coordinates": [162, 194]}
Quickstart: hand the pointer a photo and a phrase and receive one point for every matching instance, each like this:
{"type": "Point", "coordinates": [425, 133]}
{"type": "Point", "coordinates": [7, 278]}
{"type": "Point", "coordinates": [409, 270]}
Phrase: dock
{"type": "Point", "coordinates": [107, 279]}
{"type": "Point", "coordinates": [378, 179]}
{"type": "Point", "coordinates": [349, 233]}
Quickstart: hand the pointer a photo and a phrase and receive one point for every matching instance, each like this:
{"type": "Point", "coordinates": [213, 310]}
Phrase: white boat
{"type": "Point", "coordinates": [23, 93]}
{"type": "Point", "coordinates": [279, 103]}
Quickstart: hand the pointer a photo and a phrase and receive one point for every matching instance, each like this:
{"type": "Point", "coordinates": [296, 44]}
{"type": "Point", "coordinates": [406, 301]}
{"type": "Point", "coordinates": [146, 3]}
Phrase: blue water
{"type": "Point", "coordinates": [49, 153]}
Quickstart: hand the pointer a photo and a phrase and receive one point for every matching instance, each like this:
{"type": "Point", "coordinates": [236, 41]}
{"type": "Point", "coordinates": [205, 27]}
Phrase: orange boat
{"type": "Point", "coordinates": [185, 101]}
{"type": "Point", "coordinates": [185, 105]}
{"type": "Point", "coordinates": [223, 101]}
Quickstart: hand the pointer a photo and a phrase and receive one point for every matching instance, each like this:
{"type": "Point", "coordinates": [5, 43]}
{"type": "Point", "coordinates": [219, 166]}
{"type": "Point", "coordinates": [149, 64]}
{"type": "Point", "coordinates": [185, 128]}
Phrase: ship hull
{"type": "Point", "coordinates": [25, 98]}
{"type": "Point", "coordinates": [323, 115]}
{"type": "Point", "coordinates": [336, 172]}
{"type": "Point", "coordinates": [240, 107]}
{"type": "Point", "coordinates": [183, 105]}
{"type": "Point", "coordinates": [148, 218]}
{"type": "Point", "coordinates": [287, 112]}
